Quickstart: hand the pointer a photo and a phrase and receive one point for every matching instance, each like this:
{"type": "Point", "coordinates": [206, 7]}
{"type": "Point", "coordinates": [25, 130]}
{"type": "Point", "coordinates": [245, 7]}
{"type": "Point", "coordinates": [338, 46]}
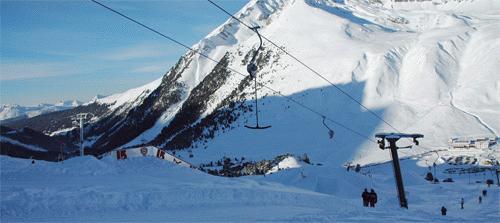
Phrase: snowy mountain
{"type": "Point", "coordinates": [9, 111]}
{"type": "Point", "coordinates": [27, 143]}
{"type": "Point", "coordinates": [428, 67]}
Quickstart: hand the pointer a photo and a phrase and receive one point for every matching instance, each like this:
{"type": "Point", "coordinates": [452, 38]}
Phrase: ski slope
{"type": "Point", "coordinates": [423, 67]}
{"type": "Point", "coordinates": [142, 189]}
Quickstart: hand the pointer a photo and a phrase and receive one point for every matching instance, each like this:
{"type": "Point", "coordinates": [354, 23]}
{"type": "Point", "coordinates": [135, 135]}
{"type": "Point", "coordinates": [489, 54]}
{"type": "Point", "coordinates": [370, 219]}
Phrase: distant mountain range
{"type": "Point", "coordinates": [12, 111]}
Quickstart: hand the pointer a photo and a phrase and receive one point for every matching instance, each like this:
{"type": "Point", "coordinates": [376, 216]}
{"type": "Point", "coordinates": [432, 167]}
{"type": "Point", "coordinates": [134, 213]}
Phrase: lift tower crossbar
{"type": "Point", "coordinates": [392, 138]}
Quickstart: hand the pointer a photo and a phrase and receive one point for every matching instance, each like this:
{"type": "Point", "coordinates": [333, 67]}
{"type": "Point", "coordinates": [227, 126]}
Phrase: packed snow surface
{"type": "Point", "coordinates": [142, 189]}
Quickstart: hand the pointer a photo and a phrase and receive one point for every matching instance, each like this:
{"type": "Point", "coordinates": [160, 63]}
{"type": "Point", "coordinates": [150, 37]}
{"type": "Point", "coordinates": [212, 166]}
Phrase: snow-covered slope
{"type": "Point", "coordinates": [57, 119]}
{"type": "Point", "coordinates": [426, 67]}
{"type": "Point", "coordinates": [429, 67]}
{"type": "Point", "coordinates": [128, 97]}
{"type": "Point", "coordinates": [147, 189]}
{"type": "Point", "coordinates": [114, 101]}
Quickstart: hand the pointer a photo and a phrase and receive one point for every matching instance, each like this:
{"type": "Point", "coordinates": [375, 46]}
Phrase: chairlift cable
{"type": "Point", "coordinates": [237, 72]}
{"type": "Point", "coordinates": [307, 66]}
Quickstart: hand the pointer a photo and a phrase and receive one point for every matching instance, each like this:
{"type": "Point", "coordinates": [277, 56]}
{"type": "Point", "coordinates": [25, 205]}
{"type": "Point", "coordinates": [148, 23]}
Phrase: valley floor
{"type": "Point", "coordinates": [144, 189]}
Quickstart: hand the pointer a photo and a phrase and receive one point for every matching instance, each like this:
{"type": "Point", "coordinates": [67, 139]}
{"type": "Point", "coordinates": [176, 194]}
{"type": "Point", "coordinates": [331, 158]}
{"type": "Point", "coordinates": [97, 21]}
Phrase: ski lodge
{"type": "Point", "coordinates": [472, 142]}
{"type": "Point", "coordinates": [411, 0]}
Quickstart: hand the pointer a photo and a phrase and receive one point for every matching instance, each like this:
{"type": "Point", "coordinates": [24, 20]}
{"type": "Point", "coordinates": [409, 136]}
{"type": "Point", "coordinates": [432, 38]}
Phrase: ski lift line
{"type": "Point", "coordinates": [237, 72]}
{"type": "Point", "coordinates": [307, 66]}
{"type": "Point", "coordinates": [252, 71]}
{"type": "Point", "coordinates": [150, 29]}
{"type": "Point", "coordinates": [320, 114]}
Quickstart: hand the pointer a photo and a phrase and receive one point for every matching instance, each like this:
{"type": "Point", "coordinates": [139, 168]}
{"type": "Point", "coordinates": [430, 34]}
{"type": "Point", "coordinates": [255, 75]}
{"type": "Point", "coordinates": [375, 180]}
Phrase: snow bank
{"type": "Point", "coordinates": [147, 189]}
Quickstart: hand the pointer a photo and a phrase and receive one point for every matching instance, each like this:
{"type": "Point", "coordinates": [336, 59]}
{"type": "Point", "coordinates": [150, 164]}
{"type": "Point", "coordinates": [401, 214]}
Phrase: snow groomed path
{"type": "Point", "coordinates": [139, 189]}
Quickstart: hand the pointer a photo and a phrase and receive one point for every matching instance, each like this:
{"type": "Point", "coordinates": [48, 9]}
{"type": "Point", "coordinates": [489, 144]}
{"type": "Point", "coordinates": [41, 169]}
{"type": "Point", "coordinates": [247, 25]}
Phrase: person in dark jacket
{"type": "Point", "coordinates": [480, 199]}
{"type": "Point", "coordinates": [357, 168]}
{"type": "Point", "coordinates": [372, 198]}
{"type": "Point", "coordinates": [462, 203]}
{"type": "Point", "coordinates": [443, 210]}
{"type": "Point", "coordinates": [364, 195]}
{"type": "Point", "coordinates": [484, 193]}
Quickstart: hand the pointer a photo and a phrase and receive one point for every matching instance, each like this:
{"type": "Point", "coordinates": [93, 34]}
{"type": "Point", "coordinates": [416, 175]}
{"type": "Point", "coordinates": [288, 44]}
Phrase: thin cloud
{"type": "Point", "coordinates": [29, 70]}
{"type": "Point", "coordinates": [204, 29]}
{"type": "Point", "coordinates": [137, 52]}
{"type": "Point", "coordinates": [150, 69]}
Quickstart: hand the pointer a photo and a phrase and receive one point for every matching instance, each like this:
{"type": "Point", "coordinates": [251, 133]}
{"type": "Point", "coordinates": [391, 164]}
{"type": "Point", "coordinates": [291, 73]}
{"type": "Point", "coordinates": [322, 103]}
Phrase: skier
{"type": "Point", "coordinates": [372, 198]}
{"type": "Point", "coordinates": [358, 168]}
{"type": "Point", "coordinates": [480, 199]}
{"type": "Point", "coordinates": [429, 177]}
{"type": "Point", "coordinates": [462, 203]}
{"type": "Point", "coordinates": [484, 193]}
{"type": "Point", "coordinates": [443, 210]}
{"type": "Point", "coordinates": [365, 196]}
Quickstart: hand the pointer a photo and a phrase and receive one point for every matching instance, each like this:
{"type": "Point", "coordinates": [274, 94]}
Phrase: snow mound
{"type": "Point", "coordinates": [287, 163]}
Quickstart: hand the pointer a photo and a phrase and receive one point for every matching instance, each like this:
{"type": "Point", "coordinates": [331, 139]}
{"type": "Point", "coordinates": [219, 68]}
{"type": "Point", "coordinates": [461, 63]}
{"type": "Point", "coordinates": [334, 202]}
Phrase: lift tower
{"type": "Point", "coordinates": [392, 138]}
{"type": "Point", "coordinates": [79, 120]}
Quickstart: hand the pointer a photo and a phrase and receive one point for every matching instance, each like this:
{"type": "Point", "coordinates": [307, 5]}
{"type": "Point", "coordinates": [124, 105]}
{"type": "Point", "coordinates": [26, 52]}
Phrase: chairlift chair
{"type": "Point", "coordinates": [252, 71]}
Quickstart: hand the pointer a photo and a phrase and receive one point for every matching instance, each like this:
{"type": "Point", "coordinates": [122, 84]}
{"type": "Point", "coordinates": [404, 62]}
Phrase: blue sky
{"type": "Point", "coordinates": [62, 50]}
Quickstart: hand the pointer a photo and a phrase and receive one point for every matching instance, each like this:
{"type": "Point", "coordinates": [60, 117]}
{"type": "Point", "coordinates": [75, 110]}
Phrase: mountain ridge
{"type": "Point", "coordinates": [404, 65]}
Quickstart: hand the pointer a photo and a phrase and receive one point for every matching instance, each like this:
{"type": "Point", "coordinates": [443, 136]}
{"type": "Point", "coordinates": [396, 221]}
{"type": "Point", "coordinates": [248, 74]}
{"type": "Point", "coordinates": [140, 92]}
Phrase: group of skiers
{"type": "Point", "coordinates": [369, 198]}
{"type": "Point", "coordinates": [462, 202]}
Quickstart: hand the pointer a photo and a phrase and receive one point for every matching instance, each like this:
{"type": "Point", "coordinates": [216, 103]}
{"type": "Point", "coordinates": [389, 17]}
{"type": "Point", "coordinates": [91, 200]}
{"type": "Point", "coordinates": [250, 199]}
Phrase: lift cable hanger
{"type": "Point", "coordinates": [305, 65]}
{"type": "Point", "coordinates": [237, 72]}
{"type": "Point", "coordinates": [252, 71]}
{"type": "Point", "coordinates": [283, 49]}
{"type": "Point", "coordinates": [330, 131]}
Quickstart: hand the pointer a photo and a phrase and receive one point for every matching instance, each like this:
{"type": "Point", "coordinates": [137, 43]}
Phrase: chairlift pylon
{"type": "Point", "coordinates": [252, 70]}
